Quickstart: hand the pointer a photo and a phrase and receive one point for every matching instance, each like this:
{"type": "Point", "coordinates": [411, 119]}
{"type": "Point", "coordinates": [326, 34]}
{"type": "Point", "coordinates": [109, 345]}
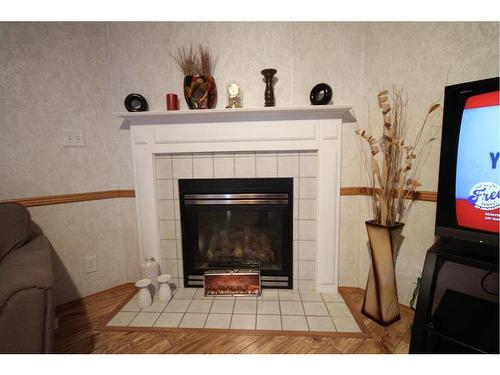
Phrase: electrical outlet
{"type": "Point", "coordinates": [73, 138]}
{"type": "Point", "coordinates": [91, 264]}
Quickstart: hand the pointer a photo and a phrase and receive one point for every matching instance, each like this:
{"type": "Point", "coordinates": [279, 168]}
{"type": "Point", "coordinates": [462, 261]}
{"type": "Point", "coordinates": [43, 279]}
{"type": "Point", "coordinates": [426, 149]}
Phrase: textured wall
{"type": "Point", "coordinates": [55, 76]}
{"type": "Point", "coordinates": [74, 75]}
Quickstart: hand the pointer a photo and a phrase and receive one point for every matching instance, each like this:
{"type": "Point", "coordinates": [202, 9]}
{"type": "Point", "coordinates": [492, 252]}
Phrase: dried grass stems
{"type": "Point", "coordinates": [391, 163]}
{"type": "Point", "coordinates": [193, 62]}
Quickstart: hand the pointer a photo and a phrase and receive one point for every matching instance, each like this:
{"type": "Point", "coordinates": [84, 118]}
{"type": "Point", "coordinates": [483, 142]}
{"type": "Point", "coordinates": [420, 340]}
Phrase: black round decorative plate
{"type": "Point", "coordinates": [321, 94]}
{"type": "Point", "coordinates": [136, 103]}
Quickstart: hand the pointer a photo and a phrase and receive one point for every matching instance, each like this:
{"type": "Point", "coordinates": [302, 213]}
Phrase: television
{"type": "Point", "coordinates": [468, 201]}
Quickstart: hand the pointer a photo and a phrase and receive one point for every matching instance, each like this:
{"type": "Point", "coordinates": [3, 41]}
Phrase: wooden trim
{"type": "Point", "coordinates": [426, 196]}
{"type": "Point", "coordinates": [71, 198]}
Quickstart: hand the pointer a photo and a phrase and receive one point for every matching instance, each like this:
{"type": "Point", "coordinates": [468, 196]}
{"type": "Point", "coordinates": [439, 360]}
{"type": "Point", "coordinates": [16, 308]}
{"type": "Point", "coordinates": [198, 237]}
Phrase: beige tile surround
{"type": "Point", "coordinates": [301, 166]}
{"type": "Point", "coordinates": [287, 310]}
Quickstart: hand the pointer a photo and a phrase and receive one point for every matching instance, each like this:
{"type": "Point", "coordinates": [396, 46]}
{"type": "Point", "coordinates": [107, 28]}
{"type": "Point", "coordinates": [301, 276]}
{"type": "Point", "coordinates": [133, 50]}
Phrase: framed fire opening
{"type": "Point", "coordinates": [231, 224]}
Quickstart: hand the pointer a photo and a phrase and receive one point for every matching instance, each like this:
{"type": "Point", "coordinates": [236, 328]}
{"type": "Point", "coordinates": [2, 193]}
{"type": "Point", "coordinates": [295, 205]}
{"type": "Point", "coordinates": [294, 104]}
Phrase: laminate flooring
{"type": "Point", "coordinates": [80, 322]}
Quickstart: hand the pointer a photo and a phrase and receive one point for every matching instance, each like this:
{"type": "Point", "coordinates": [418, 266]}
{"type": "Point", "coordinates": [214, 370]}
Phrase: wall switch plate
{"type": "Point", "coordinates": [73, 138]}
{"type": "Point", "coordinates": [91, 264]}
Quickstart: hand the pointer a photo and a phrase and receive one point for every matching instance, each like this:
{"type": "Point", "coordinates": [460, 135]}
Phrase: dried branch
{"type": "Point", "coordinates": [394, 181]}
{"type": "Point", "coordinates": [191, 62]}
{"type": "Point", "coordinates": [187, 60]}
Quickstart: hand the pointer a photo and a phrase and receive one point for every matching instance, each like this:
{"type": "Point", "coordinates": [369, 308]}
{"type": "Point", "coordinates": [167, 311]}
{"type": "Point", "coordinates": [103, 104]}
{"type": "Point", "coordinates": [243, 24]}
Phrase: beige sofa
{"type": "Point", "coordinates": [26, 284]}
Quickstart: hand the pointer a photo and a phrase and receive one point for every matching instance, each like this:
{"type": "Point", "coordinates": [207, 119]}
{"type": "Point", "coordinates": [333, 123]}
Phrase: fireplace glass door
{"type": "Point", "coordinates": [230, 230]}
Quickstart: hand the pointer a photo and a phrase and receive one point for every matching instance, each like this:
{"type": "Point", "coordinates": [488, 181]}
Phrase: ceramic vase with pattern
{"type": "Point", "coordinates": [200, 91]}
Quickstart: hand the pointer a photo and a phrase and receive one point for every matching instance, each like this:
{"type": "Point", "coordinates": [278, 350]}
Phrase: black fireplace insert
{"type": "Point", "coordinates": [240, 223]}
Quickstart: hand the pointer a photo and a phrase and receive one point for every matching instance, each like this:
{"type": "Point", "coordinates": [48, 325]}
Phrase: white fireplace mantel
{"type": "Point", "coordinates": [311, 128]}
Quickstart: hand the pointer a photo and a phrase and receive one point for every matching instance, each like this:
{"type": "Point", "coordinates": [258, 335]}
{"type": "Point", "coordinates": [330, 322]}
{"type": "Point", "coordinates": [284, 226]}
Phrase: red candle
{"type": "Point", "coordinates": [172, 102]}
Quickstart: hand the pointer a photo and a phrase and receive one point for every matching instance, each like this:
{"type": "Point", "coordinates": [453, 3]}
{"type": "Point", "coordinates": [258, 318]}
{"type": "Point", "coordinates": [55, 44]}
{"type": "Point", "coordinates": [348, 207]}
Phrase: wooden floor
{"type": "Point", "coordinates": [78, 322]}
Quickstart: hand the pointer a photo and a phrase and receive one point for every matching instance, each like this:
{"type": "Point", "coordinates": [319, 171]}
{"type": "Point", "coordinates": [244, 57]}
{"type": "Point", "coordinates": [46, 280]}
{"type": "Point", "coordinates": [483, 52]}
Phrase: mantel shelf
{"type": "Point", "coordinates": [231, 115]}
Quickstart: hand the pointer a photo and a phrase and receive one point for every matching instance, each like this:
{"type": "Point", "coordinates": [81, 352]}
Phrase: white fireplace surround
{"type": "Point", "coordinates": [312, 128]}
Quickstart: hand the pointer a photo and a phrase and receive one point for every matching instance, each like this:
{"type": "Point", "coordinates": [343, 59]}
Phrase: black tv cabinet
{"type": "Point", "coordinates": [457, 307]}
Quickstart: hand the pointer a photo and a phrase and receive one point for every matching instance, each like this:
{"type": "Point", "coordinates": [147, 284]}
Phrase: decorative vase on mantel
{"type": "Point", "coordinates": [381, 296]}
{"type": "Point", "coordinates": [200, 91]}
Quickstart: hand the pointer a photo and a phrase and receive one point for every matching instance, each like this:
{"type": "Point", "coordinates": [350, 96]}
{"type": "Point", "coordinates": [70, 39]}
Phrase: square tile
{"type": "Point", "coordinates": [320, 323]}
{"type": "Point", "coordinates": [271, 322]}
{"type": "Point", "coordinates": [224, 167]}
{"type": "Point", "coordinates": [167, 230]}
{"type": "Point", "coordinates": [144, 319]}
{"type": "Point", "coordinates": [186, 293]}
{"type": "Point", "coordinates": [218, 321]}
{"type": "Point", "coordinates": [307, 250]}
{"type": "Point", "coordinates": [291, 308]}
{"type": "Point", "coordinates": [171, 266]}
{"type": "Point", "coordinates": [315, 308]}
{"type": "Point", "coordinates": [177, 305]}
{"type": "Point", "coordinates": [307, 230]}
{"type": "Point", "coordinates": [243, 321]}
{"type": "Point", "coordinates": [200, 306]}
{"type": "Point", "coordinates": [308, 165]}
{"type": "Point", "coordinates": [168, 249]}
{"type": "Point", "coordinates": [163, 167]}
{"type": "Point", "coordinates": [310, 296]}
{"type": "Point", "coordinates": [269, 295]}
{"type": "Point", "coordinates": [307, 269]}
{"type": "Point", "coordinates": [166, 209]}
{"type": "Point", "coordinates": [164, 189]}
{"type": "Point", "coordinates": [193, 320]}
{"type": "Point", "coordinates": [182, 167]}
{"type": "Point", "coordinates": [156, 306]}
{"type": "Point", "coordinates": [338, 309]}
{"type": "Point", "coordinates": [203, 166]}
{"type": "Point", "coordinates": [266, 165]}
{"type": "Point", "coordinates": [268, 307]}
{"type": "Point", "coordinates": [332, 297]}
{"type": "Point", "coordinates": [244, 165]}
{"type": "Point", "coordinates": [122, 319]}
{"type": "Point", "coordinates": [307, 187]}
{"type": "Point", "coordinates": [307, 284]}
{"type": "Point", "coordinates": [294, 323]}
{"type": "Point", "coordinates": [131, 306]}
{"type": "Point", "coordinates": [169, 320]}
{"type": "Point", "coordinates": [221, 306]}
{"type": "Point", "coordinates": [288, 165]}
{"type": "Point", "coordinates": [307, 209]}
{"type": "Point", "coordinates": [200, 294]}
{"type": "Point", "coordinates": [252, 297]}
{"type": "Point", "coordinates": [245, 306]}
{"type": "Point", "coordinates": [289, 295]}
{"type": "Point", "coordinates": [344, 324]}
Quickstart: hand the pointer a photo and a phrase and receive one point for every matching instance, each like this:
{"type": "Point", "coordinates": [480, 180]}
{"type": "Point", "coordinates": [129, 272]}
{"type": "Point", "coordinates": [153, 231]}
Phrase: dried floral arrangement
{"type": "Point", "coordinates": [391, 162]}
{"type": "Point", "coordinates": [193, 62]}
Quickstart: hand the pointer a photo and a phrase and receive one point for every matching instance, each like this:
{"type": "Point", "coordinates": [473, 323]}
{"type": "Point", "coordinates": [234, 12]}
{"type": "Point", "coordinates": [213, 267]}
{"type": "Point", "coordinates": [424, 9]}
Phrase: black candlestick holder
{"type": "Point", "coordinates": [269, 93]}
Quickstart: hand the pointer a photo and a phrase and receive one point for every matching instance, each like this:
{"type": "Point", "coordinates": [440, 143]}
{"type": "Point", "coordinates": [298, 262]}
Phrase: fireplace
{"type": "Point", "coordinates": [240, 223]}
{"type": "Point", "coordinates": [244, 143]}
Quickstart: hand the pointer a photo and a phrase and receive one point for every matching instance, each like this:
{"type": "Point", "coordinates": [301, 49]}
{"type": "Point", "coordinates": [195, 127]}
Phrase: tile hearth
{"type": "Point", "coordinates": [275, 310]}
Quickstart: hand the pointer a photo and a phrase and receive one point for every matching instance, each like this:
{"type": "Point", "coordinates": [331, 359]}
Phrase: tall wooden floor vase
{"type": "Point", "coordinates": [381, 296]}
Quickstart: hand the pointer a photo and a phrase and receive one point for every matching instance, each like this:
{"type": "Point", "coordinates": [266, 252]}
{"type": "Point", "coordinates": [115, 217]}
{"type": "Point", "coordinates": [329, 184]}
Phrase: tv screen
{"type": "Point", "coordinates": [469, 176]}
